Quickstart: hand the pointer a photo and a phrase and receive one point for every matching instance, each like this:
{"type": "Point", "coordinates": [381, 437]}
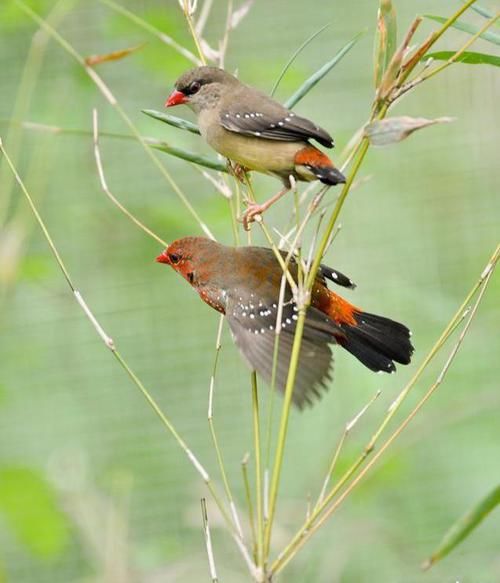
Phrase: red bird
{"type": "Point", "coordinates": [244, 282]}
{"type": "Point", "coordinates": [255, 131]}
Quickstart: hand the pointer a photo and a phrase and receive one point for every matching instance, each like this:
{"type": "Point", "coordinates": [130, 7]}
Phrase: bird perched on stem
{"type": "Point", "coordinates": [255, 131]}
{"type": "Point", "coordinates": [244, 284]}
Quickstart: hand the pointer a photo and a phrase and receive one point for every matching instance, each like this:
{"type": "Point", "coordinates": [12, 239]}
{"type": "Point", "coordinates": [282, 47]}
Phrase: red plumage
{"type": "Point", "coordinates": [244, 282]}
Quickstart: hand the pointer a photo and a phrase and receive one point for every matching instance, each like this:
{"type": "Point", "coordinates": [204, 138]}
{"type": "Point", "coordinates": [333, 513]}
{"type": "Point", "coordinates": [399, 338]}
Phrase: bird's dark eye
{"type": "Point", "coordinates": [174, 258]}
{"type": "Point", "coordinates": [194, 87]}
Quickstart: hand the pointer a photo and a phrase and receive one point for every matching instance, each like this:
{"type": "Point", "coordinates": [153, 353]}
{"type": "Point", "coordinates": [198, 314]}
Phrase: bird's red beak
{"type": "Point", "coordinates": [163, 258]}
{"type": "Point", "coordinates": [176, 98]}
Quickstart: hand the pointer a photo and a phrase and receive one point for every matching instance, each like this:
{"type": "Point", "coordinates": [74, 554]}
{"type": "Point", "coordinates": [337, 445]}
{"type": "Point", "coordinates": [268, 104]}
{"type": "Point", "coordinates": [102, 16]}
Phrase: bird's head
{"type": "Point", "coordinates": [190, 257]}
{"type": "Point", "coordinates": [200, 88]}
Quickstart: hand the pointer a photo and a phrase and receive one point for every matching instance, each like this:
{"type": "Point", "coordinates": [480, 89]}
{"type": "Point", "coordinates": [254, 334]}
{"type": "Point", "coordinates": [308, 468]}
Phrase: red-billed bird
{"type": "Point", "coordinates": [254, 130]}
{"type": "Point", "coordinates": [244, 283]}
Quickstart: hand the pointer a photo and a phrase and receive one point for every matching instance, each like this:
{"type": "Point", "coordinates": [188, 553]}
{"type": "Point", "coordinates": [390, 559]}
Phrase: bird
{"type": "Point", "coordinates": [255, 131]}
{"type": "Point", "coordinates": [243, 283]}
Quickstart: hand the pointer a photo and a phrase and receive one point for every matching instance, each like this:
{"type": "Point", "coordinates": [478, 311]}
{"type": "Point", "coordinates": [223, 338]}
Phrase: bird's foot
{"type": "Point", "coordinates": [237, 171]}
{"type": "Point", "coordinates": [253, 213]}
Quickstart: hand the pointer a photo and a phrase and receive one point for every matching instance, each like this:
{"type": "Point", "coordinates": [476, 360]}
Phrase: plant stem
{"type": "Point", "coordinates": [114, 103]}
{"type": "Point", "coordinates": [210, 416]}
{"type": "Point", "coordinates": [251, 513]}
{"type": "Point", "coordinates": [258, 471]}
{"type": "Point", "coordinates": [306, 533]}
{"type": "Point", "coordinates": [315, 520]}
{"type": "Point", "coordinates": [153, 30]}
{"type": "Point", "coordinates": [189, 20]}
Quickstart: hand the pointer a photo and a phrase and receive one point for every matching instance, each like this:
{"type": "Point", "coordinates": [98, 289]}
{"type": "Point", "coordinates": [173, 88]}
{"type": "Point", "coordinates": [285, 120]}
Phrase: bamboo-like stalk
{"type": "Point", "coordinates": [30, 73]}
{"type": "Point", "coordinates": [258, 472]}
{"type": "Point", "coordinates": [250, 508]}
{"type": "Point", "coordinates": [208, 541]}
{"type": "Point", "coordinates": [108, 341]}
{"type": "Point", "coordinates": [405, 88]}
{"type": "Point", "coordinates": [347, 429]}
{"type": "Point", "coordinates": [165, 38]}
{"type": "Point", "coordinates": [114, 103]}
{"type": "Point", "coordinates": [107, 191]}
{"type": "Point", "coordinates": [307, 531]}
{"type": "Point", "coordinates": [186, 8]}
{"type": "Point", "coordinates": [215, 441]}
{"type": "Point", "coordinates": [359, 154]}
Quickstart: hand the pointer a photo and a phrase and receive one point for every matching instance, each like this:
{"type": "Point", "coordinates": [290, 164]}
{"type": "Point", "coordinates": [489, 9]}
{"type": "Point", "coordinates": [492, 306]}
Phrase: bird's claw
{"type": "Point", "coordinates": [237, 171]}
{"type": "Point", "coordinates": [253, 213]}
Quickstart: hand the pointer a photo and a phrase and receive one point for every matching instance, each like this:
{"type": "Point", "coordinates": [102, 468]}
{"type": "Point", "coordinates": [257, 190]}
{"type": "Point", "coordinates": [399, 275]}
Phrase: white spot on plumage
{"type": "Point", "coordinates": [272, 126]}
{"type": "Point", "coordinates": [238, 115]}
{"type": "Point", "coordinates": [262, 330]}
{"type": "Point", "coordinates": [334, 275]}
{"type": "Point", "coordinates": [291, 114]}
{"type": "Point", "coordinates": [246, 115]}
{"type": "Point", "coordinates": [271, 327]}
{"type": "Point", "coordinates": [252, 316]}
{"type": "Point", "coordinates": [252, 115]}
{"type": "Point", "coordinates": [295, 317]}
{"type": "Point", "coordinates": [287, 119]}
{"type": "Point", "coordinates": [280, 123]}
{"type": "Point", "coordinates": [258, 134]}
{"type": "Point", "coordinates": [288, 321]}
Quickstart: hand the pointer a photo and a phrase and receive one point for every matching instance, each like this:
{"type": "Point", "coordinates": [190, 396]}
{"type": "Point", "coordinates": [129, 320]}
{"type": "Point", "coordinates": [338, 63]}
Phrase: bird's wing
{"type": "Point", "coordinates": [263, 117]}
{"type": "Point", "coordinates": [336, 276]}
{"type": "Point", "coordinates": [253, 329]}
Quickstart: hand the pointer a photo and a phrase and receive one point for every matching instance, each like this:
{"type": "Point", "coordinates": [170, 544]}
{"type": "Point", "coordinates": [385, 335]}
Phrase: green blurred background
{"type": "Point", "coordinates": [92, 488]}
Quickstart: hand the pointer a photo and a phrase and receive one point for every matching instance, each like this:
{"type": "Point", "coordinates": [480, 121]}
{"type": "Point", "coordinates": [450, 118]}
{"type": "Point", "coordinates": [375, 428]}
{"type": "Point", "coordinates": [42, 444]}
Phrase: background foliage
{"type": "Point", "coordinates": [91, 488]}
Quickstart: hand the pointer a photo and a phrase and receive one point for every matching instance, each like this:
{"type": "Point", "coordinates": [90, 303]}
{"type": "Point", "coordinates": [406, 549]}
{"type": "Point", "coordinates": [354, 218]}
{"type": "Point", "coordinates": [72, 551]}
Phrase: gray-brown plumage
{"type": "Point", "coordinates": [255, 131]}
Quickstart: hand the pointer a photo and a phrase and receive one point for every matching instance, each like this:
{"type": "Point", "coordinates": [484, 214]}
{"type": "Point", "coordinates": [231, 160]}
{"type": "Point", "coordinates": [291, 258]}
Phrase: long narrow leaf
{"type": "Point", "coordinates": [172, 120]}
{"type": "Point", "coordinates": [314, 79]}
{"type": "Point", "coordinates": [295, 55]}
{"type": "Point", "coordinates": [464, 526]}
{"type": "Point", "coordinates": [205, 161]}
{"type": "Point", "coordinates": [385, 39]}
{"type": "Point", "coordinates": [483, 12]}
{"type": "Point", "coordinates": [469, 58]}
{"type": "Point", "coordinates": [466, 27]}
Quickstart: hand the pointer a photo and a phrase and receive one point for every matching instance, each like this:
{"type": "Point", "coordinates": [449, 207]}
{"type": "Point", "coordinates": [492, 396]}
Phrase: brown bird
{"type": "Point", "coordinates": [255, 131]}
{"type": "Point", "coordinates": [244, 284]}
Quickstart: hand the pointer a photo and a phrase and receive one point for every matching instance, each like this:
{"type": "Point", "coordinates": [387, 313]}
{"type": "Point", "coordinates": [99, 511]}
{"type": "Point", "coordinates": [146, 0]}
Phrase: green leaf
{"type": "Point", "coordinates": [466, 27]}
{"type": "Point", "coordinates": [314, 79]}
{"type": "Point", "coordinates": [394, 129]}
{"type": "Point", "coordinates": [464, 526]}
{"type": "Point", "coordinates": [468, 57]}
{"type": "Point", "coordinates": [205, 161]}
{"type": "Point", "coordinates": [483, 12]}
{"type": "Point", "coordinates": [385, 39]}
{"type": "Point", "coordinates": [172, 120]}
{"type": "Point", "coordinates": [295, 55]}
{"type": "Point", "coordinates": [29, 506]}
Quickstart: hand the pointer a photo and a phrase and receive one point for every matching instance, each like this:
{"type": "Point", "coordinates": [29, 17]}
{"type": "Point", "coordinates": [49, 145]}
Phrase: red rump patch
{"type": "Point", "coordinates": [340, 310]}
{"type": "Point", "coordinates": [311, 156]}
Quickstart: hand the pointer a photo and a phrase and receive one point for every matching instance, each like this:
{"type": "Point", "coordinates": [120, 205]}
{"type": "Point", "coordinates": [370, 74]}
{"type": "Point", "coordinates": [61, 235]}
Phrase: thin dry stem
{"type": "Point", "coordinates": [104, 184]}
{"type": "Point", "coordinates": [208, 541]}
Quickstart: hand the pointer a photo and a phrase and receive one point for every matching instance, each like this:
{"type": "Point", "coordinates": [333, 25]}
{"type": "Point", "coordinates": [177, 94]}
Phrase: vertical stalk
{"type": "Point", "coordinates": [258, 471]}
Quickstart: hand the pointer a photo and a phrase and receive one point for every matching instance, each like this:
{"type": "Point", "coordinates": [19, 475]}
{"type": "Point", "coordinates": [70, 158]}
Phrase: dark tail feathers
{"type": "Point", "coordinates": [377, 341]}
